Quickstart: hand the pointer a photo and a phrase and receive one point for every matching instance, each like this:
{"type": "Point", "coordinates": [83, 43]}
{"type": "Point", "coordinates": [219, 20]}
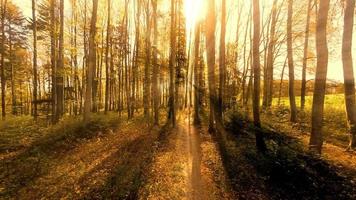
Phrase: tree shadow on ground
{"type": "Point", "coordinates": [286, 171]}
{"type": "Point", "coordinates": [30, 164]}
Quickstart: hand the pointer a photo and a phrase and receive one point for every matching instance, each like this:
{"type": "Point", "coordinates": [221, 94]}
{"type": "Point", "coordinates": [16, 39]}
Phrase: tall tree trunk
{"type": "Point", "coordinates": [210, 50]}
{"type": "Point", "coordinates": [305, 57]}
{"type": "Point", "coordinates": [270, 55]}
{"type": "Point", "coordinates": [260, 143]}
{"type": "Point", "coordinates": [172, 64]}
{"type": "Point", "coordinates": [147, 78]}
{"type": "Point", "coordinates": [316, 138]}
{"type": "Point", "coordinates": [107, 68]}
{"type": "Point", "coordinates": [155, 70]}
{"type": "Point", "coordinates": [197, 86]}
{"type": "Point", "coordinates": [293, 107]}
{"type": "Point", "coordinates": [222, 60]}
{"type": "Point", "coordinates": [3, 80]}
{"type": "Point", "coordinates": [60, 67]}
{"type": "Point", "coordinates": [349, 79]}
{"type": "Point", "coordinates": [91, 64]}
{"type": "Point", "coordinates": [53, 60]}
{"type": "Point", "coordinates": [34, 59]}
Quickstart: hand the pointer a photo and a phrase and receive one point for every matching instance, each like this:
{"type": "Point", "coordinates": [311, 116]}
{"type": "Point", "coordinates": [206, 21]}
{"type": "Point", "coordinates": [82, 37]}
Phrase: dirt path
{"type": "Point", "coordinates": [187, 166]}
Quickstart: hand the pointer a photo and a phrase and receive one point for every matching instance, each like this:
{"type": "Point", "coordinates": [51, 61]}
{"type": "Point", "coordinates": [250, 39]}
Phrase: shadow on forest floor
{"type": "Point", "coordinates": [287, 171]}
{"type": "Point", "coordinates": [81, 162]}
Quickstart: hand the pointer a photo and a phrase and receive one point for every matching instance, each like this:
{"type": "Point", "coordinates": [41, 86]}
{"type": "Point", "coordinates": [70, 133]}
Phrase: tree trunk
{"type": "Point", "coordinates": [3, 80]}
{"type": "Point", "coordinates": [60, 66]}
{"type": "Point", "coordinates": [293, 107]}
{"type": "Point", "coordinates": [91, 64]}
{"type": "Point", "coordinates": [107, 72]}
{"type": "Point", "coordinates": [349, 80]}
{"type": "Point", "coordinates": [146, 89]}
{"type": "Point", "coordinates": [270, 56]}
{"type": "Point", "coordinates": [305, 58]}
{"type": "Point", "coordinates": [197, 86]}
{"type": "Point", "coordinates": [316, 138]}
{"type": "Point", "coordinates": [172, 64]}
{"type": "Point", "coordinates": [155, 70]}
{"type": "Point", "coordinates": [222, 60]}
{"type": "Point", "coordinates": [260, 143]}
{"type": "Point", "coordinates": [34, 59]}
{"type": "Point", "coordinates": [210, 50]}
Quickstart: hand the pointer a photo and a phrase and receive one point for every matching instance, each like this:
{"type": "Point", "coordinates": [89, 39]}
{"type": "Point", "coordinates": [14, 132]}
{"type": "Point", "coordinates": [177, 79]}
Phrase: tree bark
{"type": "Point", "coordinates": [293, 107]}
{"type": "Point", "coordinates": [260, 143]}
{"type": "Point", "coordinates": [316, 138]}
{"type": "Point", "coordinates": [222, 61]}
{"type": "Point", "coordinates": [91, 64]}
{"type": "Point", "coordinates": [210, 50]}
{"type": "Point", "coordinates": [197, 86]}
{"type": "Point", "coordinates": [155, 65]}
{"type": "Point", "coordinates": [305, 58]}
{"type": "Point", "coordinates": [172, 64]}
{"type": "Point", "coordinates": [349, 79]}
{"type": "Point", "coordinates": [34, 59]}
{"type": "Point", "coordinates": [3, 80]}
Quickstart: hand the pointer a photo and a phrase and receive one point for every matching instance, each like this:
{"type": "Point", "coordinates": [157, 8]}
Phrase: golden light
{"type": "Point", "coordinates": [194, 11]}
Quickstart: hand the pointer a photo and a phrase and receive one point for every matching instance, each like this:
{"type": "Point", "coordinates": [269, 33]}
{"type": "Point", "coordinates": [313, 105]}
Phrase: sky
{"type": "Point", "coordinates": [335, 71]}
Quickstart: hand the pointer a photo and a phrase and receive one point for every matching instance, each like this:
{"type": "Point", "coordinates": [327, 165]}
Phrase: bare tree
{"type": "Point", "coordinates": [349, 79]}
{"type": "Point", "coordinates": [260, 144]}
{"type": "Point", "coordinates": [293, 107]}
{"type": "Point", "coordinates": [92, 63]}
{"type": "Point", "coordinates": [210, 50]}
{"type": "Point", "coordinates": [316, 138]}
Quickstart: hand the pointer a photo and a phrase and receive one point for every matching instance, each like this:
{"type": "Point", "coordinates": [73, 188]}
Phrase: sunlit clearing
{"type": "Point", "coordinates": [194, 12]}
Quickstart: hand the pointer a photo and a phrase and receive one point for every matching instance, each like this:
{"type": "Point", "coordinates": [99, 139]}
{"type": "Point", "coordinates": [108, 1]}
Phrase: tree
{"type": "Point", "coordinates": [91, 63]}
{"type": "Point", "coordinates": [316, 138]}
{"type": "Point", "coordinates": [210, 50]}
{"type": "Point", "coordinates": [172, 64]}
{"type": "Point", "coordinates": [293, 107]}
{"type": "Point", "coordinates": [222, 62]}
{"type": "Point", "coordinates": [34, 59]}
{"type": "Point", "coordinates": [260, 143]}
{"type": "Point", "coordinates": [147, 79]}
{"type": "Point", "coordinates": [107, 68]}
{"type": "Point", "coordinates": [349, 80]}
{"type": "Point", "coordinates": [305, 58]}
{"type": "Point", "coordinates": [3, 80]}
{"type": "Point", "coordinates": [155, 66]}
{"type": "Point", "coordinates": [197, 86]}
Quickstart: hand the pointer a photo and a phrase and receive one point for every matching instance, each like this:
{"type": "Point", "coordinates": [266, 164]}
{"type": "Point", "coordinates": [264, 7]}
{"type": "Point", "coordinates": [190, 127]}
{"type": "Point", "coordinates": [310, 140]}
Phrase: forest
{"type": "Point", "coordinates": [177, 99]}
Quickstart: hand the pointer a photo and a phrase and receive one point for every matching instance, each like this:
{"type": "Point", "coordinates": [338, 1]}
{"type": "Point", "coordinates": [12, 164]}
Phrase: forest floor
{"type": "Point", "coordinates": [187, 165]}
{"type": "Point", "coordinates": [112, 158]}
{"type": "Point", "coordinates": [107, 165]}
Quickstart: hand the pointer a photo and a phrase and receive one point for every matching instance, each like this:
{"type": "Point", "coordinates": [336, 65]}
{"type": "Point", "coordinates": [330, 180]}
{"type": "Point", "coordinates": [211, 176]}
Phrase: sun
{"type": "Point", "coordinates": [194, 12]}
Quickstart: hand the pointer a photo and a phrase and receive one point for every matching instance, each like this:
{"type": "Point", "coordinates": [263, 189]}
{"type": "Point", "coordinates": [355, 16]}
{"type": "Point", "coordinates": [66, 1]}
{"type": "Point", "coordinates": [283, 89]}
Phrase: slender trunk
{"type": "Point", "coordinates": [260, 144]}
{"type": "Point", "coordinates": [91, 64]}
{"type": "Point", "coordinates": [316, 138]}
{"type": "Point", "coordinates": [222, 60]}
{"type": "Point", "coordinates": [172, 64]}
{"type": "Point", "coordinates": [305, 58]}
{"type": "Point", "coordinates": [349, 79]}
{"type": "Point", "coordinates": [155, 70]}
{"type": "Point", "coordinates": [197, 86]}
{"type": "Point", "coordinates": [147, 81]}
{"type": "Point", "coordinates": [210, 50]}
{"type": "Point", "coordinates": [107, 72]}
{"type": "Point", "coordinates": [60, 67]}
{"type": "Point", "coordinates": [3, 80]}
{"type": "Point", "coordinates": [34, 59]}
{"type": "Point", "coordinates": [293, 107]}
